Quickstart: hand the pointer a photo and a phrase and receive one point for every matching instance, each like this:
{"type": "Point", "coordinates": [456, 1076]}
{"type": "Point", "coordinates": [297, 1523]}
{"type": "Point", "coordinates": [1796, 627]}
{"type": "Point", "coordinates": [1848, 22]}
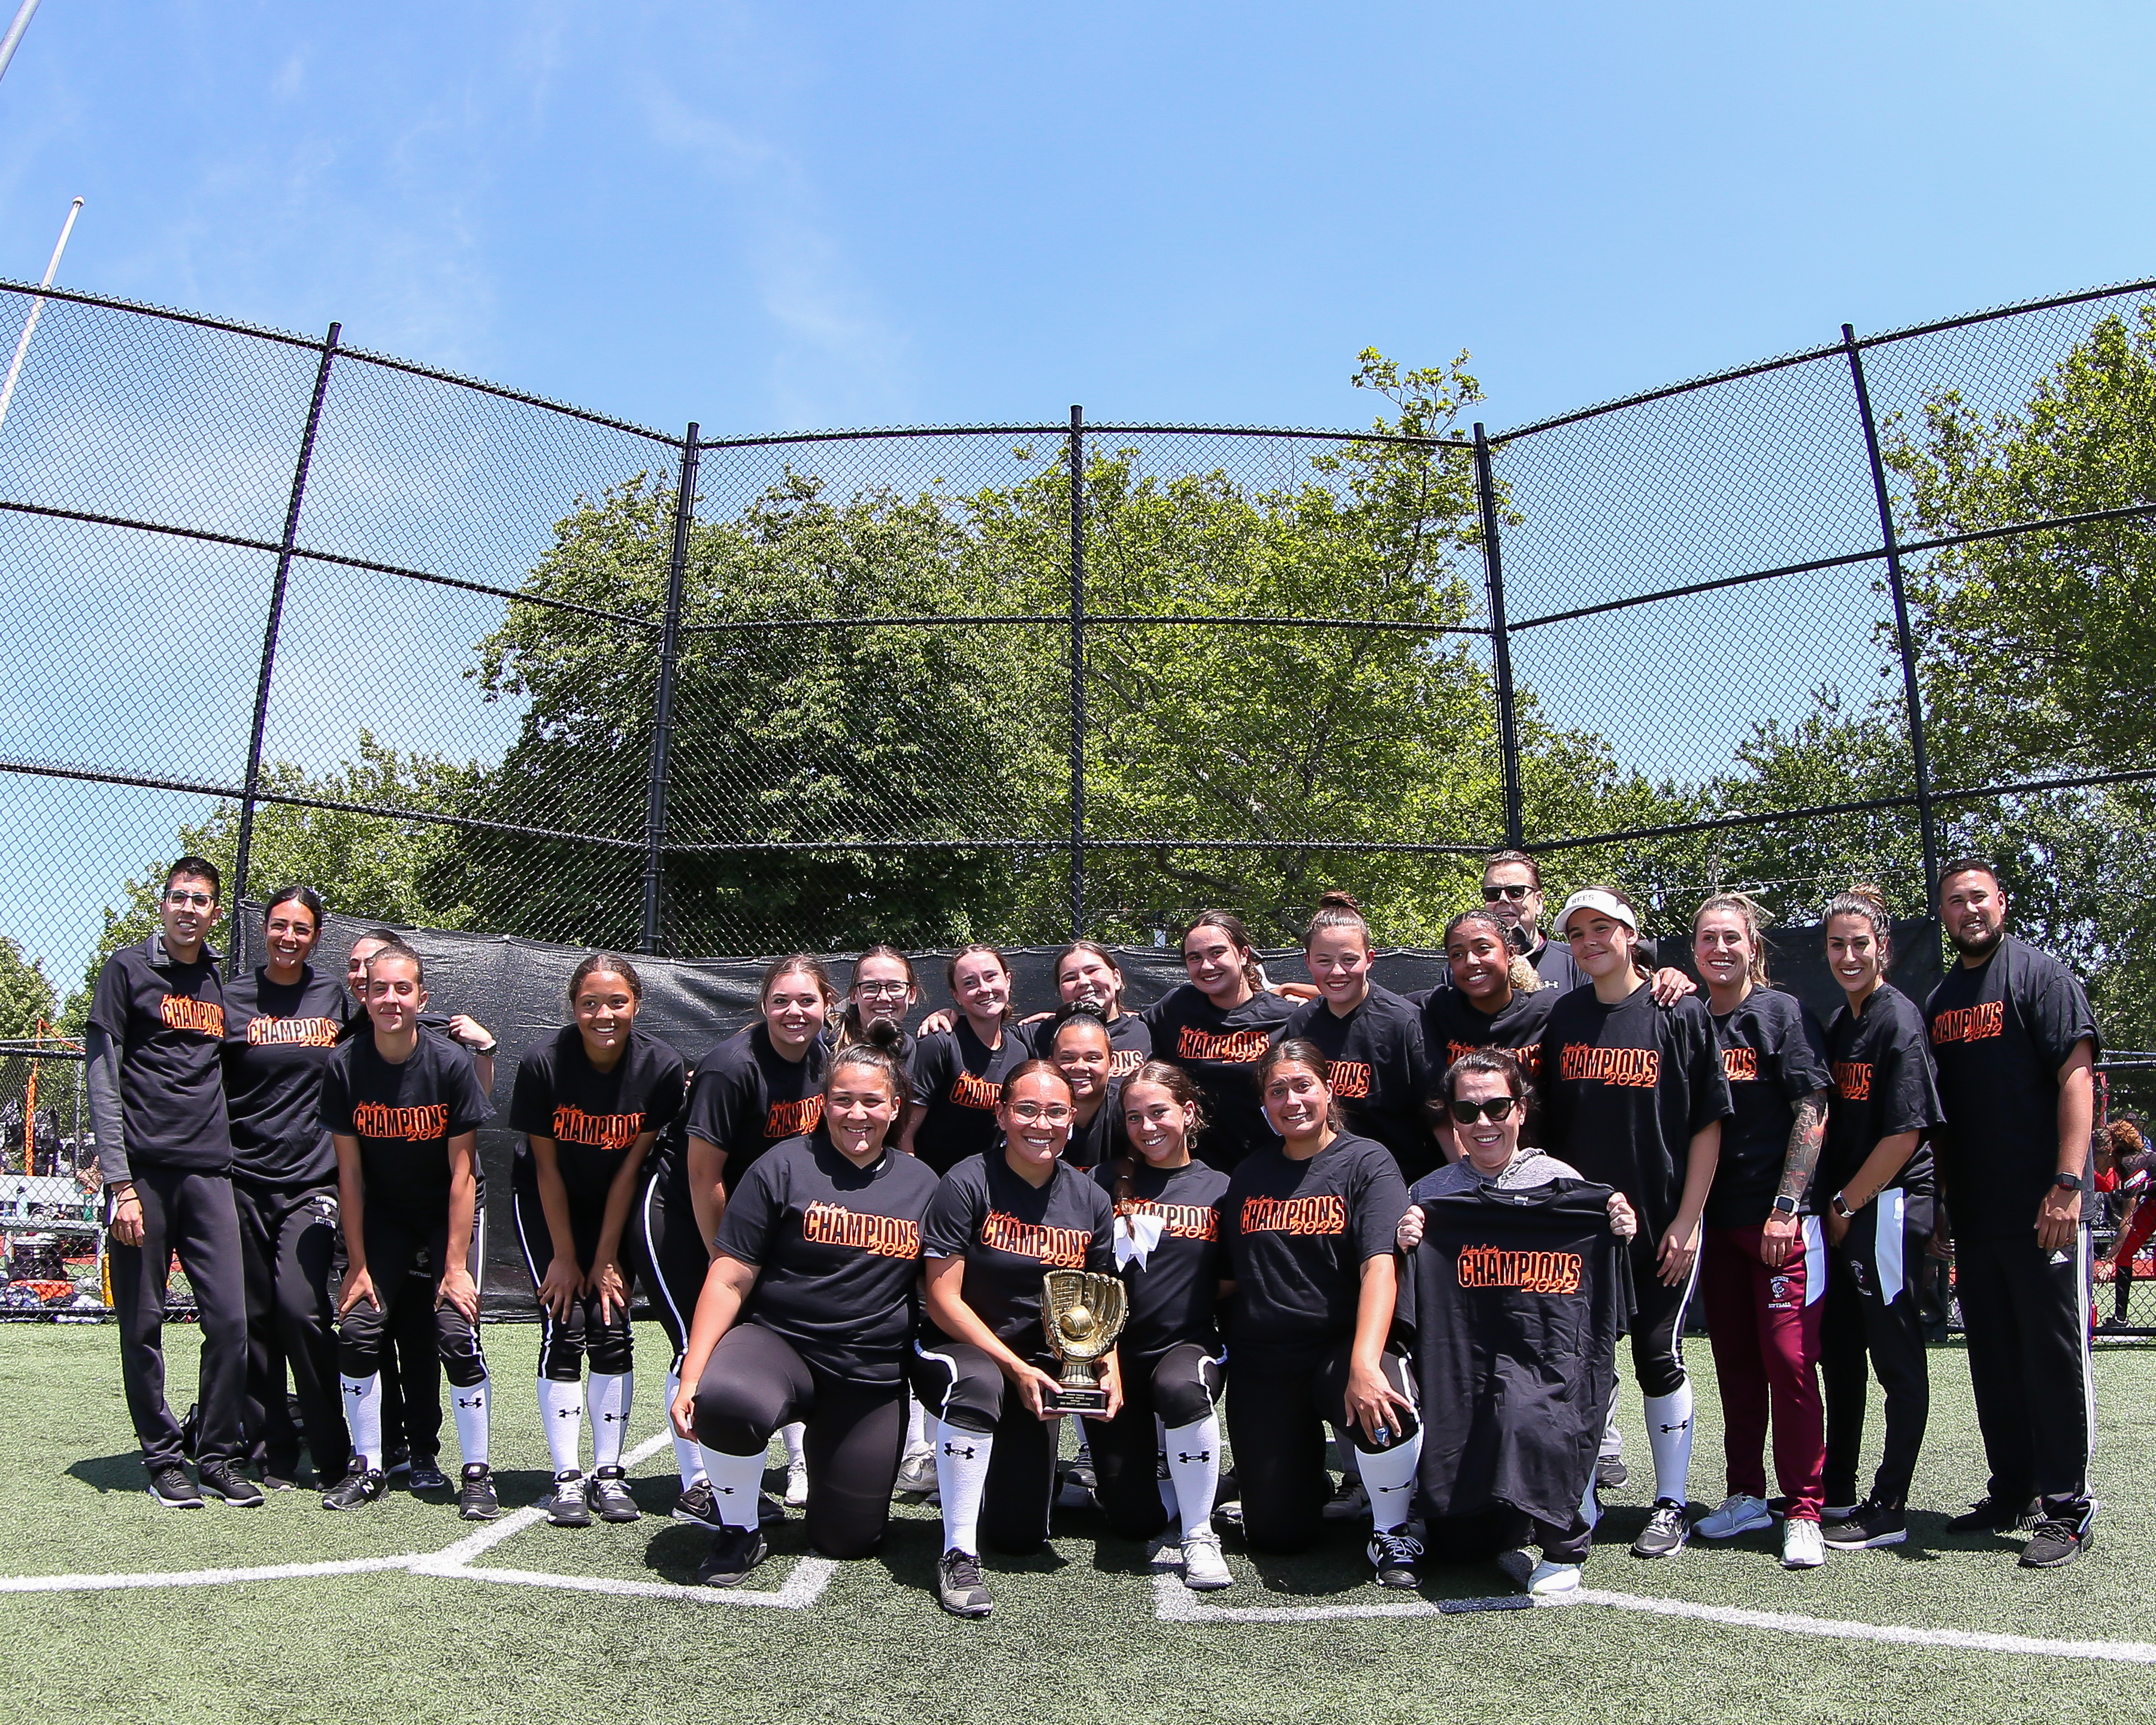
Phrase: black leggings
{"type": "Point", "coordinates": [674, 1259]}
{"type": "Point", "coordinates": [1867, 1321]}
{"type": "Point", "coordinates": [958, 1383]}
{"type": "Point", "coordinates": [1279, 1401]}
{"type": "Point", "coordinates": [1658, 1315]}
{"type": "Point", "coordinates": [756, 1381]}
{"type": "Point", "coordinates": [404, 1261]}
{"type": "Point", "coordinates": [1180, 1386]}
{"type": "Point", "coordinates": [288, 1237]}
{"type": "Point", "coordinates": [564, 1342]}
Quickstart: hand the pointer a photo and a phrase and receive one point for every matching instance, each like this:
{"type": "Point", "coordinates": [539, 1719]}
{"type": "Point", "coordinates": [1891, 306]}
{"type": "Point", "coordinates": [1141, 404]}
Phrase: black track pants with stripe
{"type": "Point", "coordinates": [2026, 1310]}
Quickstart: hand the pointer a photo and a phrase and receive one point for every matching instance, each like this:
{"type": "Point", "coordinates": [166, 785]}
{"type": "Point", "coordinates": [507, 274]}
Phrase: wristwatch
{"type": "Point", "coordinates": [1785, 1205]}
{"type": "Point", "coordinates": [2069, 1182]}
{"type": "Point", "coordinates": [1839, 1205]}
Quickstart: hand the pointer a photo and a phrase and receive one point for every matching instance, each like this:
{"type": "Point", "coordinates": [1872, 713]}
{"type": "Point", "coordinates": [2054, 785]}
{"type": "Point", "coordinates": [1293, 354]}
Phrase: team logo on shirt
{"type": "Point", "coordinates": [1349, 1078]}
{"type": "Point", "coordinates": [1637, 1068]}
{"type": "Point", "coordinates": [1064, 1248]}
{"type": "Point", "coordinates": [376, 1120]}
{"type": "Point", "coordinates": [181, 1013]}
{"type": "Point", "coordinates": [1529, 1059]}
{"type": "Point", "coordinates": [1969, 1023]}
{"type": "Point", "coordinates": [293, 1033]}
{"type": "Point", "coordinates": [1531, 1272]}
{"type": "Point", "coordinates": [969, 1089]}
{"type": "Point", "coordinates": [882, 1236]}
{"type": "Point", "coordinates": [1324, 1214]}
{"type": "Point", "coordinates": [1185, 1221]}
{"type": "Point", "coordinates": [1742, 1065]}
{"type": "Point", "coordinates": [1852, 1080]}
{"type": "Point", "coordinates": [794, 1120]}
{"type": "Point", "coordinates": [610, 1132]}
{"type": "Point", "coordinates": [1233, 1048]}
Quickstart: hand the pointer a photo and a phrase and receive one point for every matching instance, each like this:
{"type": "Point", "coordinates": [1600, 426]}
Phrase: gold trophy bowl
{"type": "Point", "coordinates": [1083, 1312]}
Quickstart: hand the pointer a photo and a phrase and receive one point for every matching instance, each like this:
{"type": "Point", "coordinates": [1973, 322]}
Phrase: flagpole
{"type": "Point", "coordinates": [52, 268]}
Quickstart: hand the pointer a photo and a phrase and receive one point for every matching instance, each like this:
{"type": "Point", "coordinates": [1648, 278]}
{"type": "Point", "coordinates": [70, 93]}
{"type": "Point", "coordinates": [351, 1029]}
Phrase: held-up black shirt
{"type": "Point", "coordinates": [1220, 1051]}
{"type": "Point", "coordinates": [1380, 1076]}
{"type": "Point", "coordinates": [1999, 1033]}
{"type": "Point", "coordinates": [837, 1250]}
{"type": "Point", "coordinates": [1625, 1089]}
{"type": "Point", "coordinates": [1295, 1236]}
{"type": "Point", "coordinates": [1010, 1232]}
{"type": "Point", "coordinates": [166, 1019]}
{"type": "Point", "coordinates": [405, 1116]}
{"type": "Point", "coordinates": [1175, 1286]}
{"type": "Point", "coordinates": [958, 1080]}
{"type": "Point", "coordinates": [1774, 1056]}
{"type": "Point", "coordinates": [746, 1097]}
{"type": "Point", "coordinates": [1130, 1042]}
{"type": "Point", "coordinates": [1883, 1085]}
{"type": "Point", "coordinates": [277, 1039]}
{"type": "Point", "coordinates": [593, 1117]}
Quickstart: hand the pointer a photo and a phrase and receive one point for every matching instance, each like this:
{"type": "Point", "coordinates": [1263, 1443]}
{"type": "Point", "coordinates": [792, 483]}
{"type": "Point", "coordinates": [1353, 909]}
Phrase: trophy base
{"type": "Point", "coordinates": [1067, 1400]}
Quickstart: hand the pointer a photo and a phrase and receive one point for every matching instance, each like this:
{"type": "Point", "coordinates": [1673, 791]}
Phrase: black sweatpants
{"type": "Point", "coordinates": [675, 1260]}
{"type": "Point", "coordinates": [756, 1381]}
{"type": "Point", "coordinates": [1181, 1387]}
{"type": "Point", "coordinates": [404, 1258]}
{"type": "Point", "coordinates": [190, 1213]}
{"type": "Point", "coordinates": [1874, 1279]}
{"type": "Point", "coordinates": [1280, 1402]}
{"type": "Point", "coordinates": [958, 1383]}
{"type": "Point", "coordinates": [2026, 1312]}
{"type": "Point", "coordinates": [565, 1342]}
{"type": "Point", "coordinates": [288, 1238]}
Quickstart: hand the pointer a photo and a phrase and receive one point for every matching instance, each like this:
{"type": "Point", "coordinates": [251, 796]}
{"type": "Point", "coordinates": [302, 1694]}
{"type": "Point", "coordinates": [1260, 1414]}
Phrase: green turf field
{"type": "Point", "coordinates": [1077, 1634]}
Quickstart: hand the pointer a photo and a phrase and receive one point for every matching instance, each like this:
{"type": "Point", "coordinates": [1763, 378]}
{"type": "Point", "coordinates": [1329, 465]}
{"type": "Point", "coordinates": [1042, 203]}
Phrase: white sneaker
{"type": "Point", "coordinates": [1738, 1513]}
{"type": "Point", "coordinates": [1204, 1570]}
{"type": "Point", "coordinates": [1554, 1581]}
{"type": "Point", "coordinates": [1803, 1546]}
{"type": "Point", "coordinates": [797, 1484]}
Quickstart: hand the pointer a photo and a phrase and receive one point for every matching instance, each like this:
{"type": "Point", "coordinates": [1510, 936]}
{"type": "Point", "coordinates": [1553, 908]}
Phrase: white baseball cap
{"type": "Point", "coordinates": [1590, 898]}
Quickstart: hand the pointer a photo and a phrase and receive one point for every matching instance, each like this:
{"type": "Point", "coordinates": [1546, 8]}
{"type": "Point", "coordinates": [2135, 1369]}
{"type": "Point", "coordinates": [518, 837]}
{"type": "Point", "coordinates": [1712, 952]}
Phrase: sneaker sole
{"type": "Point", "coordinates": [1667, 1551]}
{"type": "Point", "coordinates": [162, 1501]}
{"type": "Point", "coordinates": [973, 1612]}
{"type": "Point", "coordinates": [621, 1518]}
{"type": "Point", "coordinates": [254, 1502]}
{"type": "Point", "coordinates": [1208, 1586]}
{"type": "Point", "coordinates": [480, 1515]}
{"type": "Point", "coordinates": [584, 1521]}
{"type": "Point", "coordinates": [1874, 1543]}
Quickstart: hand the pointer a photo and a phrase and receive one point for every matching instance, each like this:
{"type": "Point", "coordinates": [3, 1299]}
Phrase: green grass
{"type": "Point", "coordinates": [1074, 1637]}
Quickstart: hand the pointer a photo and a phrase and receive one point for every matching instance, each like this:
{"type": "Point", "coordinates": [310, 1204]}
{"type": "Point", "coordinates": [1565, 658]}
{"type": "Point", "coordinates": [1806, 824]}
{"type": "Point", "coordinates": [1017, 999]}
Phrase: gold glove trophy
{"type": "Point", "coordinates": [1083, 1312]}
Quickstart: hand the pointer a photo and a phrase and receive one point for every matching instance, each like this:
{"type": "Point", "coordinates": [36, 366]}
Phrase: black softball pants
{"type": "Point", "coordinates": [564, 1342]}
{"type": "Point", "coordinates": [1280, 1402]}
{"type": "Point", "coordinates": [959, 1384]}
{"type": "Point", "coordinates": [674, 1260]}
{"type": "Point", "coordinates": [186, 1211]}
{"type": "Point", "coordinates": [288, 1243]}
{"type": "Point", "coordinates": [1181, 1386]}
{"type": "Point", "coordinates": [1872, 1317]}
{"type": "Point", "coordinates": [404, 1259]}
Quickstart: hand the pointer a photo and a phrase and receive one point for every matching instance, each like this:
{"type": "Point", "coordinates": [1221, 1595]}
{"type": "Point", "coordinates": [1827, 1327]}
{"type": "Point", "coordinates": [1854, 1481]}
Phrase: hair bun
{"type": "Point", "coordinates": [1336, 900]}
{"type": "Point", "coordinates": [883, 1034]}
{"type": "Point", "coordinates": [1869, 891]}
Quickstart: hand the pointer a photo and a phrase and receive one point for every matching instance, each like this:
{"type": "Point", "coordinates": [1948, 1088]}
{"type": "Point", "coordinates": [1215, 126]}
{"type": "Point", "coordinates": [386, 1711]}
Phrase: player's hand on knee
{"type": "Point", "coordinates": [559, 1287]}
{"type": "Point", "coordinates": [459, 1289]}
{"type": "Point", "coordinates": [358, 1285]}
{"type": "Point", "coordinates": [606, 1280]}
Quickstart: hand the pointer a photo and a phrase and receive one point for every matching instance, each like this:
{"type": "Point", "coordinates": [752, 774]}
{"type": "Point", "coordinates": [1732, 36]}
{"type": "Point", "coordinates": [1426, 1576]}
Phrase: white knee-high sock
{"type": "Point", "coordinates": [472, 1406]}
{"type": "Point", "coordinates": [1389, 1476]}
{"type": "Point", "coordinates": [735, 1482]}
{"type": "Point", "coordinates": [611, 1393]}
{"type": "Point", "coordinates": [1193, 1471]}
{"type": "Point", "coordinates": [363, 1413]}
{"type": "Point", "coordinates": [793, 1435]}
{"type": "Point", "coordinates": [1669, 1435]}
{"type": "Point", "coordinates": [561, 1413]}
{"type": "Point", "coordinates": [917, 1425]}
{"type": "Point", "coordinates": [961, 1479]}
{"type": "Point", "coordinates": [688, 1455]}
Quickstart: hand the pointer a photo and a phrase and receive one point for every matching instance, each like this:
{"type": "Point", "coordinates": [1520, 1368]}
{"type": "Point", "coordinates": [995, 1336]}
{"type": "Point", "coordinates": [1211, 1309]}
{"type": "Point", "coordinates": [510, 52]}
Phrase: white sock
{"type": "Point", "coordinates": [1194, 1473]}
{"type": "Point", "coordinates": [735, 1482]}
{"type": "Point", "coordinates": [916, 1426]}
{"type": "Point", "coordinates": [561, 1413]}
{"type": "Point", "coordinates": [363, 1413]}
{"type": "Point", "coordinates": [1669, 1435]}
{"type": "Point", "coordinates": [610, 1396]}
{"type": "Point", "coordinates": [793, 1435]}
{"type": "Point", "coordinates": [471, 1419]}
{"type": "Point", "coordinates": [1389, 1476]}
{"type": "Point", "coordinates": [688, 1456]}
{"type": "Point", "coordinates": [961, 1479]}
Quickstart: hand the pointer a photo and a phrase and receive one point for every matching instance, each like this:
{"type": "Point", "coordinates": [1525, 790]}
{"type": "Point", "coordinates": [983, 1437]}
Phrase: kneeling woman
{"type": "Point", "coordinates": [805, 1316]}
{"type": "Point", "coordinates": [981, 1364]}
{"type": "Point", "coordinates": [1306, 1229]}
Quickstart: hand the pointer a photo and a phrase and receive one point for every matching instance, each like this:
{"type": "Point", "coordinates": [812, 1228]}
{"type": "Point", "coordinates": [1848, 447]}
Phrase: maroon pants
{"type": "Point", "coordinates": [1765, 1338]}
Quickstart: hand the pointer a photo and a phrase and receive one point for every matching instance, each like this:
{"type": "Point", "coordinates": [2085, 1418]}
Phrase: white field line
{"type": "Point", "coordinates": [196, 1577]}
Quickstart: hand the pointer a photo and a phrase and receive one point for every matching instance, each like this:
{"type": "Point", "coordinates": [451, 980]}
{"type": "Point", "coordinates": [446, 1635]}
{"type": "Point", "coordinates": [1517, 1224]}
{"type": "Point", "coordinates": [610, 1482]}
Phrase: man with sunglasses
{"type": "Point", "coordinates": [164, 1145]}
{"type": "Point", "coordinates": [1513, 888]}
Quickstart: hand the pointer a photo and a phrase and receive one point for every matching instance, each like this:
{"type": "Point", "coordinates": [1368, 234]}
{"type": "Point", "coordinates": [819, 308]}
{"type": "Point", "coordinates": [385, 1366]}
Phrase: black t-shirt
{"type": "Point", "coordinates": [746, 1097]}
{"type": "Point", "coordinates": [1130, 1042]}
{"type": "Point", "coordinates": [837, 1252]}
{"type": "Point", "coordinates": [278, 1038]}
{"type": "Point", "coordinates": [1380, 1076]}
{"type": "Point", "coordinates": [1883, 1085]}
{"type": "Point", "coordinates": [1009, 1231]}
{"type": "Point", "coordinates": [405, 1116]}
{"type": "Point", "coordinates": [1220, 1051]}
{"type": "Point", "coordinates": [1624, 1088]}
{"type": "Point", "coordinates": [1295, 1236]}
{"type": "Point", "coordinates": [1453, 1025]}
{"type": "Point", "coordinates": [958, 1080]}
{"type": "Point", "coordinates": [167, 1020]}
{"type": "Point", "coordinates": [593, 1117]}
{"type": "Point", "coordinates": [1999, 1033]}
{"type": "Point", "coordinates": [1103, 1138]}
{"type": "Point", "coordinates": [1175, 1284]}
{"type": "Point", "coordinates": [1773, 1054]}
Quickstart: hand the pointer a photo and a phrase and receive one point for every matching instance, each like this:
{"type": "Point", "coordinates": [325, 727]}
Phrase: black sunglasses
{"type": "Point", "coordinates": [1491, 895]}
{"type": "Point", "coordinates": [1495, 1109]}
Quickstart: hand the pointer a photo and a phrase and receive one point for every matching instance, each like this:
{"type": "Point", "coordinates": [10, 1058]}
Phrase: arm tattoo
{"type": "Point", "coordinates": [1806, 1136]}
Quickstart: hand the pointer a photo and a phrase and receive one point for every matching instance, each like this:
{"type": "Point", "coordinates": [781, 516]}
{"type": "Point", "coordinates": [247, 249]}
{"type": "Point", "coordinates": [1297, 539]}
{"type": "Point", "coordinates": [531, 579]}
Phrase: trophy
{"type": "Point", "coordinates": [1083, 1312]}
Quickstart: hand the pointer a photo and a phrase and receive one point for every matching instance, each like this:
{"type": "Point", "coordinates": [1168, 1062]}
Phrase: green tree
{"type": "Point", "coordinates": [26, 994]}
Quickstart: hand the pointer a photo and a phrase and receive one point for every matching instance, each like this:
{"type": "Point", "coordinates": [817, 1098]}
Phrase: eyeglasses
{"type": "Point", "coordinates": [1491, 895]}
{"type": "Point", "coordinates": [1495, 1109]}
{"type": "Point", "coordinates": [200, 900]}
{"type": "Point", "coordinates": [1056, 1114]}
{"type": "Point", "coordinates": [882, 991]}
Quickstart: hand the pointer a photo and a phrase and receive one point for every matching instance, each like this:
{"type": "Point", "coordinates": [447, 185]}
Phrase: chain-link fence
{"type": "Point", "coordinates": [473, 659]}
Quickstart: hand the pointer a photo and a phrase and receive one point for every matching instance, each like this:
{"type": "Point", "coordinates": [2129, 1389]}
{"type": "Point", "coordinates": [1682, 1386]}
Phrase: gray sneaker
{"type": "Point", "coordinates": [960, 1588]}
{"type": "Point", "coordinates": [607, 1492]}
{"type": "Point", "coordinates": [565, 1504]}
{"type": "Point", "coordinates": [1665, 1532]}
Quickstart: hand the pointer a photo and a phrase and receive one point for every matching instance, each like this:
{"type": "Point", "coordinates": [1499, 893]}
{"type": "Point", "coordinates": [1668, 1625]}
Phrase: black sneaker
{"type": "Point", "coordinates": [221, 1479]}
{"type": "Point", "coordinates": [565, 1506]}
{"type": "Point", "coordinates": [475, 1498]}
{"type": "Point", "coordinates": [695, 1504]}
{"type": "Point", "coordinates": [959, 1588]}
{"type": "Point", "coordinates": [1610, 1472]}
{"type": "Point", "coordinates": [1665, 1532]}
{"type": "Point", "coordinates": [1992, 1515]}
{"type": "Point", "coordinates": [361, 1486]}
{"type": "Point", "coordinates": [275, 1479]}
{"type": "Point", "coordinates": [607, 1492]}
{"type": "Point", "coordinates": [1395, 1556]}
{"type": "Point", "coordinates": [426, 1475]}
{"type": "Point", "coordinates": [734, 1552]}
{"type": "Point", "coordinates": [2059, 1540]}
{"type": "Point", "coordinates": [769, 1511]}
{"type": "Point", "coordinates": [171, 1487]}
{"type": "Point", "coordinates": [397, 1461]}
{"type": "Point", "coordinates": [1870, 1523]}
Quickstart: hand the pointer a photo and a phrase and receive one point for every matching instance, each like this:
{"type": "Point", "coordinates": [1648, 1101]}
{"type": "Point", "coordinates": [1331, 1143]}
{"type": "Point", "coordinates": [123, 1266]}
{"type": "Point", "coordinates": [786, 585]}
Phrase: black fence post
{"type": "Point", "coordinates": [1911, 695]}
{"type": "Point", "coordinates": [1500, 642]}
{"type": "Point", "coordinates": [662, 723]}
{"type": "Point", "coordinates": [1077, 673]}
{"type": "Point", "coordinates": [243, 851]}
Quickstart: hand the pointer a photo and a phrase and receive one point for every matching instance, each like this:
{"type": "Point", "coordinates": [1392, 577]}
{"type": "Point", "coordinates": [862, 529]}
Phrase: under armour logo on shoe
{"type": "Point", "coordinates": [953, 1449]}
{"type": "Point", "coordinates": [1202, 1456]}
